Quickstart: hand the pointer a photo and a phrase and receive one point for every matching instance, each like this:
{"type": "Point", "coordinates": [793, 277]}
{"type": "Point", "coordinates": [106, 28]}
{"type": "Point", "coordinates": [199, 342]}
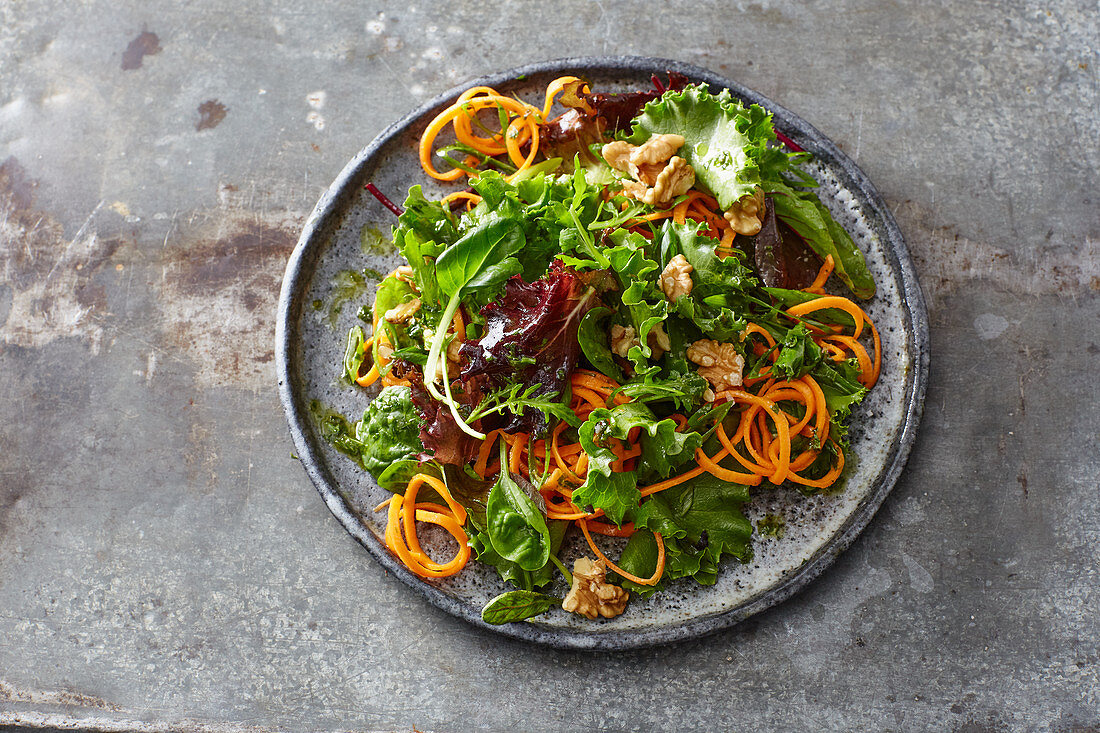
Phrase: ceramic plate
{"type": "Point", "coordinates": [324, 288]}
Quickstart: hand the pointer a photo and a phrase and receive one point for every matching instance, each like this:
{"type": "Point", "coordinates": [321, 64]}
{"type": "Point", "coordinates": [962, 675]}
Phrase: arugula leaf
{"type": "Point", "coordinates": [430, 220]}
{"type": "Point", "coordinates": [516, 605]}
{"type": "Point", "coordinates": [684, 390]}
{"type": "Point", "coordinates": [516, 527]}
{"type": "Point", "coordinates": [643, 300]}
{"type": "Point", "coordinates": [615, 493]}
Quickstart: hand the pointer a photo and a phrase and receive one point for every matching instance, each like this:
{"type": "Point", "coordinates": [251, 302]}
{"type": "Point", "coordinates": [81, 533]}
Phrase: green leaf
{"type": "Point", "coordinates": [790, 298]}
{"type": "Point", "coordinates": [700, 522]}
{"type": "Point", "coordinates": [389, 433]}
{"type": "Point", "coordinates": [724, 140]}
{"type": "Point", "coordinates": [663, 449]}
{"type": "Point", "coordinates": [480, 258]}
{"type": "Point", "coordinates": [592, 334]}
{"type": "Point", "coordinates": [804, 212]}
{"type": "Point", "coordinates": [516, 605]}
{"type": "Point", "coordinates": [354, 353]}
{"type": "Point", "coordinates": [509, 571]}
{"type": "Point", "coordinates": [717, 300]}
{"type": "Point", "coordinates": [516, 527]}
{"type": "Point", "coordinates": [798, 353]}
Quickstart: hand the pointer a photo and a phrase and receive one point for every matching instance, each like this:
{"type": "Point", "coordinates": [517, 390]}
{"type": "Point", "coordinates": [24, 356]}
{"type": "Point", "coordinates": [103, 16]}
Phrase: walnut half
{"type": "Point", "coordinates": [591, 594]}
{"type": "Point", "coordinates": [659, 175]}
{"type": "Point", "coordinates": [719, 363]}
{"type": "Point", "coordinates": [746, 214]}
{"type": "Point", "coordinates": [676, 278]}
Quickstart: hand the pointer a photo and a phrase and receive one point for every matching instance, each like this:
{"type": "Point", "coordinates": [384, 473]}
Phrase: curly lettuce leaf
{"type": "Point", "coordinates": [724, 140]}
{"type": "Point", "coordinates": [700, 522]}
{"type": "Point", "coordinates": [728, 146]}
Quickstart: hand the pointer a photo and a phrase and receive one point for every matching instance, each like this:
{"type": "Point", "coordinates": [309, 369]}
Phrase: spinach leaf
{"type": "Point", "coordinates": [483, 257]}
{"type": "Point", "coordinates": [509, 571]}
{"type": "Point", "coordinates": [595, 344]}
{"type": "Point", "coordinates": [389, 437]}
{"type": "Point", "coordinates": [790, 298]}
{"type": "Point", "coordinates": [516, 527]}
{"type": "Point", "coordinates": [516, 605]}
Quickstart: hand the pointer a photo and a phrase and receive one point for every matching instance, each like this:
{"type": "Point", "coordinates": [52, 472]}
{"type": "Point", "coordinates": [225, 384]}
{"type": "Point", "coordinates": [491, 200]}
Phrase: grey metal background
{"type": "Point", "coordinates": [165, 563]}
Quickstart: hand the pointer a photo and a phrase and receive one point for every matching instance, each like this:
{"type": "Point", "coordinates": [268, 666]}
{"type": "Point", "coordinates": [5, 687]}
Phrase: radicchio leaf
{"type": "Point", "coordinates": [443, 440]}
{"type": "Point", "coordinates": [530, 338]}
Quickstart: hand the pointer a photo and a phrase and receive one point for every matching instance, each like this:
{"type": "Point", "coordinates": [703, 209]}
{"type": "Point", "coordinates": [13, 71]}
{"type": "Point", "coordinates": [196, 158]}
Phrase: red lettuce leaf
{"type": "Point", "coordinates": [530, 338]}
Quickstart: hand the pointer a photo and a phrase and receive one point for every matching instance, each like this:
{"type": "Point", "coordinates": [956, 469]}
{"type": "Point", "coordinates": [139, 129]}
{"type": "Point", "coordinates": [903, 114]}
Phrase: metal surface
{"type": "Point", "coordinates": [164, 562]}
{"type": "Point", "coordinates": [308, 342]}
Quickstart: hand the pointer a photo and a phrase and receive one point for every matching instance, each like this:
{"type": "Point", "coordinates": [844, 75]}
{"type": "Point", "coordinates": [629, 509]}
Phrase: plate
{"type": "Point", "coordinates": [322, 292]}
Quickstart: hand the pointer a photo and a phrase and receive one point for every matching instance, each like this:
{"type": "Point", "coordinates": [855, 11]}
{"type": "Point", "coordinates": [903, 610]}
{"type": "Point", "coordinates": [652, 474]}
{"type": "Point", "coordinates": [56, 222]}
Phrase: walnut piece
{"type": "Point", "coordinates": [676, 179]}
{"type": "Point", "coordinates": [622, 338]}
{"type": "Point", "coordinates": [676, 278]}
{"type": "Point", "coordinates": [746, 213]}
{"type": "Point", "coordinates": [402, 312]}
{"type": "Point", "coordinates": [591, 594]}
{"type": "Point", "coordinates": [659, 175]}
{"type": "Point", "coordinates": [617, 154]}
{"type": "Point", "coordinates": [719, 363]}
{"type": "Point", "coordinates": [657, 149]}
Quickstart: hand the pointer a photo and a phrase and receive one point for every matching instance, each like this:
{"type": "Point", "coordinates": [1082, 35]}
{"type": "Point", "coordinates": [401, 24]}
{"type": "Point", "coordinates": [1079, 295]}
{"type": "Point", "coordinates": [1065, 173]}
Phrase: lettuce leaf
{"type": "Point", "coordinates": [729, 147]}
{"type": "Point", "coordinates": [700, 522]}
{"type": "Point", "coordinates": [724, 140]}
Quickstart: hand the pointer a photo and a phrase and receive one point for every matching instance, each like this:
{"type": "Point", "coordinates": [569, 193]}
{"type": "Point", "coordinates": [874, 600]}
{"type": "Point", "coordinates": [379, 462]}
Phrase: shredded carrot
{"type": "Point", "coordinates": [818, 285]}
{"type": "Point", "coordinates": [400, 535]}
{"type": "Point", "coordinates": [653, 580]}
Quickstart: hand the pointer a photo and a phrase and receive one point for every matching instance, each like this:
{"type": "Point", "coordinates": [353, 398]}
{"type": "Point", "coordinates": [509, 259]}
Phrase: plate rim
{"type": "Point", "coordinates": [329, 209]}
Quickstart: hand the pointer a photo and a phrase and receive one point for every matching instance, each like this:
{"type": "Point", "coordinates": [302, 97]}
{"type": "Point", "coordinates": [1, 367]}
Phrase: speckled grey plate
{"type": "Point", "coordinates": [315, 314]}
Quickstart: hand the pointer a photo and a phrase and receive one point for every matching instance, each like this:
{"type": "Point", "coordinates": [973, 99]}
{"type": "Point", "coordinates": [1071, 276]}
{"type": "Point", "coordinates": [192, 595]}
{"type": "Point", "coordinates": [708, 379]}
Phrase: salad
{"type": "Point", "coordinates": [616, 326]}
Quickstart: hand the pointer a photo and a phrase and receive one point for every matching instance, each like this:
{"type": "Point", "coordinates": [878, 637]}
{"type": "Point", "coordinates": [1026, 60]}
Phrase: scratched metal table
{"type": "Point", "coordinates": [166, 564]}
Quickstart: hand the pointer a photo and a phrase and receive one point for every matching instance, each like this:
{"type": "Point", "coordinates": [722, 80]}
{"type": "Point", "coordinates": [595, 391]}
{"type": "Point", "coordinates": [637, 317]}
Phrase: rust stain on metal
{"type": "Point", "coordinates": [53, 293]}
{"type": "Point", "coordinates": [146, 44]}
{"type": "Point", "coordinates": [221, 283]}
{"type": "Point", "coordinates": [211, 113]}
{"type": "Point", "coordinates": [947, 261]}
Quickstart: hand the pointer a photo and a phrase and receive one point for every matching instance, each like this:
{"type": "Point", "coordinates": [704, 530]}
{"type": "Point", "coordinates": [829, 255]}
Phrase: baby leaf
{"type": "Point", "coordinates": [516, 605]}
{"type": "Point", "coordinates": [516, 527]}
